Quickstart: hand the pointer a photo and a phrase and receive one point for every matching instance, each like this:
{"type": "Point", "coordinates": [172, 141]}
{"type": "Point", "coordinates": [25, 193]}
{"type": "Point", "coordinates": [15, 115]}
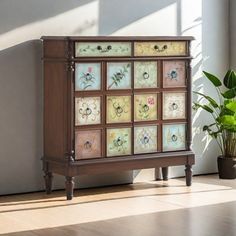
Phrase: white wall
{"type": "Point", "coordinates": [23, 22]}
{"type": "Point", "coordinates": [232, 34]}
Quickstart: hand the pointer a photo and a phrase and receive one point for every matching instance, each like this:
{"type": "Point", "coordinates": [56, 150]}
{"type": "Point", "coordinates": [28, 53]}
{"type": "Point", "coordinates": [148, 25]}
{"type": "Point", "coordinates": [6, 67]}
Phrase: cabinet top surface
{"type": "Point", "coordinates": [120, 38]}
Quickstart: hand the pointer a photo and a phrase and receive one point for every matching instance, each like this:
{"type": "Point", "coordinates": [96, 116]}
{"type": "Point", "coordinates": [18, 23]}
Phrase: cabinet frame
{"type": "Point", "coordinates": [59, 111]}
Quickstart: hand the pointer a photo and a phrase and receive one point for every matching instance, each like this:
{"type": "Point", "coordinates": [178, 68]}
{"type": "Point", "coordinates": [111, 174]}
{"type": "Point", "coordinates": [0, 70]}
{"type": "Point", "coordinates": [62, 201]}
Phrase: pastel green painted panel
{"type": "Point", "coordinates": [87, 110]}
{"type": "Point", "coordinates": [88, 144]}
{"type": "Point", "coordinates": [145, 139]}
{"type": "Point", "coordinates": [174, 137]}
{"type": "Point", "coordinates": [118, 109]}
{"type": "Point", "coordinates": [174, 105]}
{"type": "Point", "coordinates": [118, 75]}
{"type": "Point", "coordinates": [174, 74]}
{"type": "Point", "coordinates": [102, 49]}
{"type": "Point", "coordinates": [118, 141]}
{"type": "Point", "coordinates": [145, 74]}
{"type": "Point", "coordinates": [87, 76]}
{"type": "Point", "coordinates": [145, 107]}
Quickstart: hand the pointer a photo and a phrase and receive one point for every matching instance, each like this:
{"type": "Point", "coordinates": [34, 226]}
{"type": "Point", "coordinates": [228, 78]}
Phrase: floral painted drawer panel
{"type": "Point", "coordinates": [145, 107]}
{"type": "Point", "coordinates": [87, 110]}
{"type": "Point", "coordinates": [174, 74]}
{"type": "Point", "coordinates": [118, 75]}
{"type": "Point", "coordinates": [175, 48]}
{"type": "Point", "coordinates": [102, 49]}
{"type": "Point", "coordinates": [145, 139]}
{"type": "Point", "coordinates": [174, 137]}
{"type": "Point", "coordinates": [118, 109]}
{"type": "Point", "coordinates": [88, 144]}
{"type": "Point", "coordinates": [118, 142]}
{"type": "Point", "coordinates": [145, 74]}
{"type": "Point", "coordinates": [174, 105]}
{"type": "Point", "coordinates": [87, 76]}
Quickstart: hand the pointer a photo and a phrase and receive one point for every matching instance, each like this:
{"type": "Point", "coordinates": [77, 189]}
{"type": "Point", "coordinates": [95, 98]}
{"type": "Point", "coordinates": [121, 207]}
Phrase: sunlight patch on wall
{"type": "Point", "coordinates": [73, 22]}
{"type": "Point", "coordinates": [162, 22]}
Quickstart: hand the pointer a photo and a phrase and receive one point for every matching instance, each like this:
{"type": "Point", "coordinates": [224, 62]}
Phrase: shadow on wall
{"type": "Point", "coordinates": [124, 14]}
{"type": "Point", "coordinates": [20, 117]}
{"type": "Point", "coordinates": [18, 13]}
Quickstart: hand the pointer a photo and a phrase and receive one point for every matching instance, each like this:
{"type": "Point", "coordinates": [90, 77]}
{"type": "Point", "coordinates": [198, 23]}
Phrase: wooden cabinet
{"type": "Point", "coordinates": [116, 103]}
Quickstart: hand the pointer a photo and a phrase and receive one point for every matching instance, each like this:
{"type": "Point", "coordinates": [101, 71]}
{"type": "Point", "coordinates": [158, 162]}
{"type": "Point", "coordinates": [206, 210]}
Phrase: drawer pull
{"type": "Point", "coordinates": [145, 140]}
{"type": "Point", "coordinates": [174, 106]}
{"type": "Point", "coordinates": [118, 142]}
{"type": "Point", "coordinates": [174, 138]}
{"type": "Point", "coordinates": [145, 75]}
{"type": "Point", "coordinates": [87, 145]}
{"type": "Point", "coordinates": [108, 48]}
{"type": "Point", "coordinates": [158, 49]}
{"type": "Point", "coordinates": [119, 110]}
{"type": "Point", "coordinates": [145, 108]}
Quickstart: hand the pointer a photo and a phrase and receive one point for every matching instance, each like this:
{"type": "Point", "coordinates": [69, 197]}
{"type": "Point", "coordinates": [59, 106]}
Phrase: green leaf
{"type": "Point", "coordinates": [231, 106]}
{"type": "Point", "coordinates": [213, 79]}
{"type": "Point", "coordinates": [231, 93]}
{"type": "Point", "coordinates": [211, 100]}
{"type": "Point", "coordinates": [204, 107]}
{"type": "Point", "coordinates": [227, 120]}
{"type": "Point", "coordinates": [230, 79]}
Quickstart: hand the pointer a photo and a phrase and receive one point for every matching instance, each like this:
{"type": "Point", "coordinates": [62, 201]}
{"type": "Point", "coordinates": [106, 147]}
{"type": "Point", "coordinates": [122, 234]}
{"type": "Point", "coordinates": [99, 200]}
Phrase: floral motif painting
{"type": "Point", "coordinates": [145, 107]}
{"type": "Point", "coordinates": [87, 144]}
{"type": "Point", "coordinates": [87, 110]}
{"type": "Point", "coordinates": [174, 137]}
{"type": "Point", "coordinates": [119, 75]}
{"type": "Point", "coordinates": [118, 109]}
{"type": "Point", "coordinates": [145, 139]}
{"type": "Point", "coordinates": [145, 74]}
{"type": "Point", "coordinates": [174, 74]}
{"type": "Point", "coordinates": [174, 105]}
{"type": "Point", "coordinates": [87, 76]}
{"type": "Point", "coordinates": [118, 141]}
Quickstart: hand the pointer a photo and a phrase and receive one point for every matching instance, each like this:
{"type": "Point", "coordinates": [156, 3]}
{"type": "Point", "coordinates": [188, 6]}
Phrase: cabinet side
{"type": "Point", "coordinates": [55, 104]}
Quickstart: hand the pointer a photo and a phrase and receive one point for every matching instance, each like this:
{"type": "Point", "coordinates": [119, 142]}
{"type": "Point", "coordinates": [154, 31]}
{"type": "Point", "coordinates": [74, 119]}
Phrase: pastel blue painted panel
{"type": "Point", "coordinates": [87, 76]}
{"type": "Point", "coordinates": [174, 137]}
{"type": "Point", "coordinates": [119, 75]}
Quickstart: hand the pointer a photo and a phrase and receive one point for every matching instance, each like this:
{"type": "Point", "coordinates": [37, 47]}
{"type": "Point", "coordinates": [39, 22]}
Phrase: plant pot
{"type": "Point", "coordinates": [226, 167]}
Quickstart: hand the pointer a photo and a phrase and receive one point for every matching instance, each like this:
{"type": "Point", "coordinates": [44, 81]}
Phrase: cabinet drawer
{"type": "Point", "coordinates": [145, 139]}
{"type": "Point", "coordinates": [174, 74]}
{"type": "Point", "coordinates": [118, 109]}
{"type": "Point", "coordinates": [145, 74]}
{"type": "Point", "coordinates": [174, 137]}
{"type": "Point", "coordinates": [118, 141]}
{"type": "Point", "coordinates": [145, 107]}
{"type": "Point", "coordinates": [174, 104]}
{"type": "Point", "coordinates": [102, 49]}
{"type": "Point", "coordinates": [160, 48]}
{"type": "Point", "coordinates": [88, 144]}
{"type": "Point", "coordinates": [87, 110]}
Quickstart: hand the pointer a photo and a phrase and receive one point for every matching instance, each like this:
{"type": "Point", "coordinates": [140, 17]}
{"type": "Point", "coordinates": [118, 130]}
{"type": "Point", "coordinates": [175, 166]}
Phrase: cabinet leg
{"type": "Point", "coordinates": [48, 181]}
{"type": "Point", "coordinates": [165, 173]}
{"type": "Point", "coordinates": [69, 187]}
{"type": "Point", "coordinates": [188, 173]}
{"type": "Point", "coordinates": [157, 173]}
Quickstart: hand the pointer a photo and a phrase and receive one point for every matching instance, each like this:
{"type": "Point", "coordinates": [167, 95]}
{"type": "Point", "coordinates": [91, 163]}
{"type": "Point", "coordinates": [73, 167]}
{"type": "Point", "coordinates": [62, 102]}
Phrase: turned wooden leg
{"type": "Point", "coordinates": [188, 174]}
{"type": "Point", "coordinates": [157, 174]}
{"type": "Point", "coordinates": [69, 187]}
{"type": "Point", "coordinates": [164, 173]}
{"type": "Point", "coordinates": [48, 181]}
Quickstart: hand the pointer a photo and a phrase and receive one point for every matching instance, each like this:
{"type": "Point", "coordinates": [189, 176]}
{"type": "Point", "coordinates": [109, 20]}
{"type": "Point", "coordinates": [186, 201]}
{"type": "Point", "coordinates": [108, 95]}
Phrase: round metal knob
{"type": "Point", "coordinates": [174, 138]}
{"type": "Point", "coordinates": [145, 108]}
{"type": "Point", "coordinates": [145, 75]}
{"type": "Point", "coordinates": [87, 145]}
{"type": "Point", "coordinates": [88, 111]}
{"type": "Point", "coordinates": [174, 106]}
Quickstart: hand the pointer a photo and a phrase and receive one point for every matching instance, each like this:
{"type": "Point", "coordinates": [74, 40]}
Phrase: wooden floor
{"type": "Point", "coordinates": [142, 209]}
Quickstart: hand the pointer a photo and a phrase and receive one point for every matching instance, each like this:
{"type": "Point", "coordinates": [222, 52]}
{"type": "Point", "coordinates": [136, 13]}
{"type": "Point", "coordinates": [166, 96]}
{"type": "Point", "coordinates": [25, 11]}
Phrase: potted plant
{"type": "Point", "coordinates": [223, 127]}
